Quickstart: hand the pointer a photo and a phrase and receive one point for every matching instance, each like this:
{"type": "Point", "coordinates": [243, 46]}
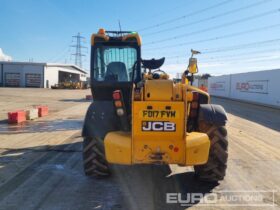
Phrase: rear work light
{"type": "Point", "coordinates": [120, 112]}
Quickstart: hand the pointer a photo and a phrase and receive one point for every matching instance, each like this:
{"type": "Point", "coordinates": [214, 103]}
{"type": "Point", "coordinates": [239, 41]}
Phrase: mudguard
{"type": "Point", "coordinates": [100, 119]}
{"type": "Point", "coordinates": [212, 114]}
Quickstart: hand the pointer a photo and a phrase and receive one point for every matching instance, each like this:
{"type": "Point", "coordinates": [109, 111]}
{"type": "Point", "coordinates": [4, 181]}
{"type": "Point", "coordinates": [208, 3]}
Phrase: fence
{"type": "Point", "coordinates": [260, 87]}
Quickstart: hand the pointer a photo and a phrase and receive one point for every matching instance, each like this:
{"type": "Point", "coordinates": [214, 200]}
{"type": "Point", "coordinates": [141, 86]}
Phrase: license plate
{"type": "Point", "coordinates": [159, 114]}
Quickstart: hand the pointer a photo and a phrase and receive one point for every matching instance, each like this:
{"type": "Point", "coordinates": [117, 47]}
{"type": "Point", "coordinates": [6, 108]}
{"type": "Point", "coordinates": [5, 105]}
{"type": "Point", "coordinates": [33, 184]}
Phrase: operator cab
{"type": "Point", "coordinates": [115, 63]}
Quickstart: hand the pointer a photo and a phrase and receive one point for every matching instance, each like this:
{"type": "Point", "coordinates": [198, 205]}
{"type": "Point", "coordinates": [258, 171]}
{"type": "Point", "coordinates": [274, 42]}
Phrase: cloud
{"type": "Point", "coordinates": [4, 57]}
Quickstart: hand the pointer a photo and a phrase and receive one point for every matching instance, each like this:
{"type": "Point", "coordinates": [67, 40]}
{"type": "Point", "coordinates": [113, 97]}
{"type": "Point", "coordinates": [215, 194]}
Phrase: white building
{"type": "Point", "coordinates": [44, 75]}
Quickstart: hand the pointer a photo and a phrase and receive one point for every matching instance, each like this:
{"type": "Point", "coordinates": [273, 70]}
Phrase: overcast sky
{"type": "Point", "coordinates": [232, 35]}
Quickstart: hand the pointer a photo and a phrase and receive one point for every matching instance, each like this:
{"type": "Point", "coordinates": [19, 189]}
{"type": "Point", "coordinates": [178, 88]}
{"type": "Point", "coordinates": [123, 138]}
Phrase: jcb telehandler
{"type": "Point", "coordinates": [140, 116]}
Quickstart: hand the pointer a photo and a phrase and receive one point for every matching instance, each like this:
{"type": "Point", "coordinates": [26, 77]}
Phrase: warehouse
{"type": "Point", "coordinates": [41, 75]}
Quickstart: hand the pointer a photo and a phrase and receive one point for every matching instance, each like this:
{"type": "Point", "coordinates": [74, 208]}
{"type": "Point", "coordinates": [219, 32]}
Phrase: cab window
{"type": "Point", "coordinates": [114, 63]}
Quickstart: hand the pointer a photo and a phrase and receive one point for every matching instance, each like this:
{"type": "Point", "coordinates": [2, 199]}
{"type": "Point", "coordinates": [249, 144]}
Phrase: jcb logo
{"type": "Point", "coordinates": [158, 126]}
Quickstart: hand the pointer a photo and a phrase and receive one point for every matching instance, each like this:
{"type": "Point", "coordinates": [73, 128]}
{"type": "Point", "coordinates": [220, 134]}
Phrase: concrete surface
{"type": "Point", "coordinates": [41, 162]}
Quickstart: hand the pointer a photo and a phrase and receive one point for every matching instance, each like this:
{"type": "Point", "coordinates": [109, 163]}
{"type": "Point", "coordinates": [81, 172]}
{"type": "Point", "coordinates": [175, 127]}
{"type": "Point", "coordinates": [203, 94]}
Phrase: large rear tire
{"type": "Point", "coordinates": [215, 169]}
{"type": "Point", "coordinates": [94, 160]}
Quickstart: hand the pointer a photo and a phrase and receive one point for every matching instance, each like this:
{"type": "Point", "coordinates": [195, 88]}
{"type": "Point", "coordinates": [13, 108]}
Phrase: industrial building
{"type": "Point", "coordinates": [41, 75]}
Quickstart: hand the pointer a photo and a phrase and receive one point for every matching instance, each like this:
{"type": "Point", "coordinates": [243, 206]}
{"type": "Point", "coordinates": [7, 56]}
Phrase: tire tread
{"type": "Point", "coordinates": [215, 168]}
{"type": "Point", "coordinates": [94, 159]}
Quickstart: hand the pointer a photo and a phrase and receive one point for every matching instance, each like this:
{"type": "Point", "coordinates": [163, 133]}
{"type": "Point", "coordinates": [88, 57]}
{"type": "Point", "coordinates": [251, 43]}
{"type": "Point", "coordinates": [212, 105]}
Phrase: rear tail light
{"type": "Point", "coordinates": [193, 113]}
{"type": "Point", "coordinates": [117, 95]}
{"type": "Point", "coordinates": [195, 96]}
{"type": "Point", "coordinates": [194, 105]}
{"type": "Point", "coordinates": [118, 103]}
{"type": "Point", "coordinates": [120, 110]}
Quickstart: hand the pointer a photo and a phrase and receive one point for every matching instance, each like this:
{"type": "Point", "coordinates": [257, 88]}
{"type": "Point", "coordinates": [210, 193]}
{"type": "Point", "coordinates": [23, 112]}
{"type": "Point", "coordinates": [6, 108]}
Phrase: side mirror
{"type": "Point", "coordinates": [153, 63]}
{"type": "Point", "coordinates": [193, 66]}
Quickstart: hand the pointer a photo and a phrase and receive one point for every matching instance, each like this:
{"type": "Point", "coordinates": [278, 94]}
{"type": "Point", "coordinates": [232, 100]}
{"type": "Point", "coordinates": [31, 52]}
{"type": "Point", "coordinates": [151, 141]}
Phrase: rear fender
{"type": "Point", "coordinates": [212, 114]}
{"type": "Point", "coordinates": [100, 119]}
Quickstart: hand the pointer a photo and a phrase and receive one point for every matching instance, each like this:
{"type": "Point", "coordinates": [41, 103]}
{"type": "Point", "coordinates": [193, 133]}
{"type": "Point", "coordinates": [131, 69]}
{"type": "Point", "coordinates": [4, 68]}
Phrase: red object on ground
{"type": "Point", "coordinates": [16, 117]}
{"type": "Point", "coordinates": [88, 97]}
{"type": "Point", "coordinates": [42, 111]}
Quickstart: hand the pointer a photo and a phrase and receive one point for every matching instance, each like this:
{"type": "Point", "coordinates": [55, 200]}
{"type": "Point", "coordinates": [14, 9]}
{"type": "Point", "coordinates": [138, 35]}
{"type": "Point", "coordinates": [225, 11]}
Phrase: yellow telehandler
{"type": "Point", "coordinates": [140, 116]}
